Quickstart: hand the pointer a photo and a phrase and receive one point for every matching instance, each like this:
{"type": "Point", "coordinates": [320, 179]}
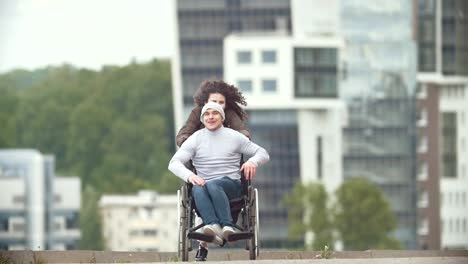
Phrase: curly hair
{"type": "Point", "coordinates": [234, 97]}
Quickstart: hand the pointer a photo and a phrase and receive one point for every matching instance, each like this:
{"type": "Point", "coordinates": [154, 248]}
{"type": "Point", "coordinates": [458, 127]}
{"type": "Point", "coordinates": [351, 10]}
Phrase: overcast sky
{"type": "Point", "coordinates": [85, 33]}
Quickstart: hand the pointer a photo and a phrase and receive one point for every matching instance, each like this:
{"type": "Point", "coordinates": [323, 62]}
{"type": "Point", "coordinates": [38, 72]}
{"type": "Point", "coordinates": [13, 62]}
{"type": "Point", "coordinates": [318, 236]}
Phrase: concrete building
{"type": "Point", "coordinates": [294, 62]}
{"type": "Point", "coordinates": [143, 222]}
{"type": "Point", "coordinates": [38, 210]}
{"type": "Point", "coordinates": [441, 109]}
{"type": "Point", "coordinates": [442, 151]}
{"type": "Point", "coordinates": [301, 75]}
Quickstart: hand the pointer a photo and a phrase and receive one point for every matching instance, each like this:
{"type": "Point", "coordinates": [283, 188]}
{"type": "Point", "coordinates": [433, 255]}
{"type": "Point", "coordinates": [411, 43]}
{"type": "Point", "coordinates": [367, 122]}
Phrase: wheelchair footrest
{"type": "Point", "coordinates": [239, 236]}
{"type": "Point", "coordinates": [200, 236]}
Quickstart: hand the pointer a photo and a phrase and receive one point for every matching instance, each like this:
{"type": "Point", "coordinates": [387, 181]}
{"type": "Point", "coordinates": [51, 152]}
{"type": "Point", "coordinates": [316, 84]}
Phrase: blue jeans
{"type": "Point", "coordinates": [212, 200]}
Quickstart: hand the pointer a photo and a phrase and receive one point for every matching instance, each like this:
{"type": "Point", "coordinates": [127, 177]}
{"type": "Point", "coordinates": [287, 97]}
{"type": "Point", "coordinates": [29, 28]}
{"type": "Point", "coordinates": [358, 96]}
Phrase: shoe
{"type": "Point", "coordinates": [227, 231]}
{"type": "Point", "coordinates": [202, 253]}
{"type": "Point", "coordinates": [215, 231]}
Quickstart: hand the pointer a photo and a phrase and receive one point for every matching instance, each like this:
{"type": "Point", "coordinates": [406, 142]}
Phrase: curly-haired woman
{"type": "Point", "coordinates": [228, 96]}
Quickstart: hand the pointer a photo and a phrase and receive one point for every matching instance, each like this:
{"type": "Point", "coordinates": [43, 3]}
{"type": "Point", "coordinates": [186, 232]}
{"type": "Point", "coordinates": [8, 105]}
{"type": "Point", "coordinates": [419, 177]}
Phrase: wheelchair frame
{"type": "Point", "coordinates": [247, 208]}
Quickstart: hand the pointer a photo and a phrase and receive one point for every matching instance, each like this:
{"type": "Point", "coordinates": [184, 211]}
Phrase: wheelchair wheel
{"type": "Point", "coordinates": [184, 215]}
{"type": "Point", "coordinates": [253, 223]}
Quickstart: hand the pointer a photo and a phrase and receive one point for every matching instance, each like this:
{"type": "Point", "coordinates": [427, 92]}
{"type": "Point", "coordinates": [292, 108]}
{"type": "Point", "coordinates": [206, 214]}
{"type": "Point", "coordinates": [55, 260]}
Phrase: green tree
{"type": "Point", "coordinates": [8, 105]}
{"type": "Point", "coordinates": [90, 221]}
{"type": "Point", "coordinates": [308, 212]}
{"type": "Point", "coordinates": [43, 114]}
{"type": "Point", "coordinates": [363, 217]}
{"type": "Point", "coordinates": [129, 130]}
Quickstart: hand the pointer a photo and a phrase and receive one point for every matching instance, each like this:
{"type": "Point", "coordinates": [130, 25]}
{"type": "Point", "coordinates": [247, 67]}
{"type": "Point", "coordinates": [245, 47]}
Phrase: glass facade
{"type": "Point", "coordinates": [427, 35]}
{"type": "Point", "coordinates": [448, 36]}
{"type": "Point", "coordinates": [380, 80]}
{"type": "Point", "coordinates": [315, 72]}
{"type": "Point", "coordinates": [277, 132]}
{"type": "Point", "coordinates": [453, 29]}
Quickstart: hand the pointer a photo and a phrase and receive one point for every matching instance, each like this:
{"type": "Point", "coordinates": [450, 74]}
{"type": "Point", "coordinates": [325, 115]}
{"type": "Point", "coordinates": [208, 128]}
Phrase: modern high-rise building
{"type": "Point", "coordinates": [442, 27]}
{"type": "Point", "coordinates": [38, 211]}
{"type": "Point", "coordinates": [143, 222]}
{"type": "Point", "coordinates": [201, 29]}
{"type": "Point", "coordinates": [328, 92]}
{"type": "Point", "coordinates": [380, 56]}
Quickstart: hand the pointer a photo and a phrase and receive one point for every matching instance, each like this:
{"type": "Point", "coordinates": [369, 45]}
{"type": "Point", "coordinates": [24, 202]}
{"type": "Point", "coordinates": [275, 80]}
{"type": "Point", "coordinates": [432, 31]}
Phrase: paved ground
{"type": "Point", "coordinates": [240, 256]}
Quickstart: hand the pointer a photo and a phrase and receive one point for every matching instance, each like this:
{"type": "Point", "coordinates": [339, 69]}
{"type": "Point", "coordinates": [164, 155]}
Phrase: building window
{"type": "Point", "coordinates": [57, 198]}
{"type": "Point", "coordinates": [269, 56]}
{"type": "Point", "coordinates": [422, 171]}
{"type": "Point", "coordinates": [421, 118]}
{"type": "Point", "coordinates": [18, 227]}
{"type": "Point", "coordinates": [315, 72]}
{"type": "Point", "coordinates": [18, 199]}
{"type": "Point", "coordinates": [269, 85]}
{"type": "Point", "coordinates": [421, 91]}
{"type": "Point", "coordinates": [245, 85]}
{"type": "Point", "coordinates": [423, 227]}
{"type": "Point", "coordinates": [150, 232]}
{"type": "Point", "coordinates": [244, 57]}
{"type": "Point", "coordinates": [423, 200]}
{"type": "Point", "coordinates": [4, 224]}
{"type": "Point", "coordinates": [449, 144]}
{"type": "Point", "coordinates": [72, 221]}
{"type": "Point", "coordinates": [319, 158]}
{"type": "Point", "coordinates": [422, 144]}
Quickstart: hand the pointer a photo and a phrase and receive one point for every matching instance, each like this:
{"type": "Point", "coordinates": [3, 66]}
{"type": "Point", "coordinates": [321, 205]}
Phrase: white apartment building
{"type": "Point", "coordinates": [143, 222]}
{"type": "Point", "coordinates": [296, 73]}
{"type": "Point", "coordinates": [271, 70]}
{"type": "Point", "coordinates": [454, 158]}
{"type": "Point", "coordinates": [38, 211]}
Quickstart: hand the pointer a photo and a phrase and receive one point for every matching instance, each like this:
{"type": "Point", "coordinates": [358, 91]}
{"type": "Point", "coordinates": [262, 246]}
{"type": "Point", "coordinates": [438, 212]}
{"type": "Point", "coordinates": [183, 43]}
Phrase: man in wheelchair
{"type": "Point", "coordinates": [215, 152]}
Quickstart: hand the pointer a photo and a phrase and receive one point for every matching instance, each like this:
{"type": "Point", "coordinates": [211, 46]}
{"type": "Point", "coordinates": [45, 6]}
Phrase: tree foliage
{"type": "Point", "coordinates": [363, 217]}
{"type": "Point", "coordinates": [113, 128]}
{"type": "Point", "coordinates": [307, 211]}
{"type": "Point", "coordinates": [90, 222]}
{"type": "Point", "coordinates": [360, 216]}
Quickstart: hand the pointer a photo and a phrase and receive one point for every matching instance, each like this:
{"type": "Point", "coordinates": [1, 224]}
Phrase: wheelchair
{"type": "Point", "coordinates": [243, 210]}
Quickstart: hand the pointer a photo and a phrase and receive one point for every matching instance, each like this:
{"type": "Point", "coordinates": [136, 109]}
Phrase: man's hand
{"type": "Point", "coordinates": [250, 169]}
{"type": "Point", "coordinates": [196, 180]}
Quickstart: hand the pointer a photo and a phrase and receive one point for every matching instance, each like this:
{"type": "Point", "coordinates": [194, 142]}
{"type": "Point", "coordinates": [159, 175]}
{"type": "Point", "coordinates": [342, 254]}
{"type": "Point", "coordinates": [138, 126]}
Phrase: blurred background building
{"type": "Point", "coordinates": [298, 65]}
{"type": "Point", "coordinates": [147, 221]}
{"type": "Point", "coordinates": [441, 118]}
{"type": "Point", "coordinates": [250, 44]}
{"type": "Point", "coordinates": [38, 211]}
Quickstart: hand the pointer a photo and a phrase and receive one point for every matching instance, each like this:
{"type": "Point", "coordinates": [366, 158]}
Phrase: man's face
{"type": "Point", "coordinates": [212, 119]}
{"type": "Point", "coordinates": [218, 98]}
